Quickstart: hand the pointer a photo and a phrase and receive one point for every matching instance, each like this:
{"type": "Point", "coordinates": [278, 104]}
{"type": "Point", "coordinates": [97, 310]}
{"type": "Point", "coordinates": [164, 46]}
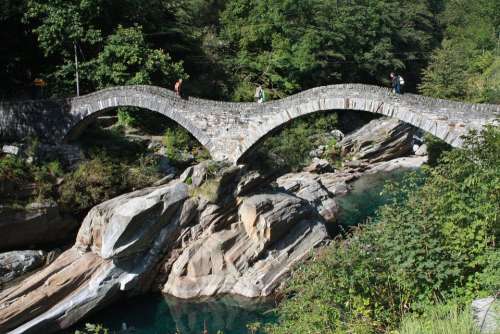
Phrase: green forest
{"type": "Point", "coordinates": [414, 267]}
{"type": "Point", "coordinates": [225, 48]}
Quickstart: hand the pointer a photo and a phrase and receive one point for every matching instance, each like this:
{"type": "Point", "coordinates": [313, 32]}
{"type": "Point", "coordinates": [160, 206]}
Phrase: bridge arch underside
{"type": "Point", "coordinates": [86, 114]}
{"type": "Point", "coordinates": [439, 126]}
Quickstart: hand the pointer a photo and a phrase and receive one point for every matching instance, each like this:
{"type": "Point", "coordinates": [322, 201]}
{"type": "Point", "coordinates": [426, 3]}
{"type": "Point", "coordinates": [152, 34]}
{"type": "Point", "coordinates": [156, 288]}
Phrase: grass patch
{"type": "Point", "coordinates": [440, 319]}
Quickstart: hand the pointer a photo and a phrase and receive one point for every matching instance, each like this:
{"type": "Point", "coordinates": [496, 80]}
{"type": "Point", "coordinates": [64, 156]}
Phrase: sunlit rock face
{"type": "Point", "coordinates": [380, 140]}
{"type": "Point", "coordinates": [249, 256]}
{"type": "Point", "coordinates": [117, 247]}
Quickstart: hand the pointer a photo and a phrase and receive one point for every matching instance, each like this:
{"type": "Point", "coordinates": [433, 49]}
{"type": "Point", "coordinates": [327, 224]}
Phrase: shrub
{"type": "Point", "coordinates": [178, 141]}
{"type": "Point", "coordinates": [143, 173]}
{"type": "Point", "coordinates": [93, 182]}
{"type": "Point", "coordinates": [289, 148]}
{"type": "Point", "coordinates": [125, 118]}
{"type": "Point", "coordinates": [435, 148]}
{"type": "Point", "coordinates": [45, 177]}
{"type": "Point", "coordinates": [430, 243]}
{"type": "Point", "coordinates": [13, 169]}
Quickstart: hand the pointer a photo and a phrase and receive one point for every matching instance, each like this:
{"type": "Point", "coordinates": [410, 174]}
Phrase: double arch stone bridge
{"type": "Point", "coordinates": [227, 129]}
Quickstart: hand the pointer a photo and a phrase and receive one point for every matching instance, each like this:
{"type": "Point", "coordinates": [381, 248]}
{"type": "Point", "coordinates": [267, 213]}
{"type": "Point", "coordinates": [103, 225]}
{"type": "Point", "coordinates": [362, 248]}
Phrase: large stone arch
{"type": "Point", "coordinates": [444, 119]}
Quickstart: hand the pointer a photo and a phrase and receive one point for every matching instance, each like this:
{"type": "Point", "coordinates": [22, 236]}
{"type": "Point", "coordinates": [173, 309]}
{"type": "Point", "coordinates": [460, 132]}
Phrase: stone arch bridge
{"type": "Point", "coordinates": [228, 130]}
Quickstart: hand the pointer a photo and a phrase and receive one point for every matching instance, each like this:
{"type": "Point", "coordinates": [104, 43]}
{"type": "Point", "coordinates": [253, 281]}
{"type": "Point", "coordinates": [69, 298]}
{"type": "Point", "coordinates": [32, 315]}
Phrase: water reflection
{"type": "Point", "coordinates": [156, 314]}
{"type": "Point", "coordinates": [228, 313]}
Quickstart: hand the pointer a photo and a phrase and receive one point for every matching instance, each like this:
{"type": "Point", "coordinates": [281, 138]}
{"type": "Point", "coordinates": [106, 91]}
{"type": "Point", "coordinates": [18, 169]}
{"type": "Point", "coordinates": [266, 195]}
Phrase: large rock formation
{"type": "Point", "coordinates": [189, 242]}
{"type": "Point", "coordinates": [380, 140]}
{"type": "Point", "coordinates": [117, 247]}
{"type": "Point", "coordinates": [34, 225]}
{"type": "Point", "coordinates": [248, 256]}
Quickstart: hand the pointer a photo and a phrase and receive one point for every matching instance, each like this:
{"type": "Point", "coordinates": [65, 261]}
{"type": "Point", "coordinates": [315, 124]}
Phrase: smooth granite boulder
{"type": "Point", "coordinates": [18, 263]}
{"type": "Point", "coordinates": [117, 249]}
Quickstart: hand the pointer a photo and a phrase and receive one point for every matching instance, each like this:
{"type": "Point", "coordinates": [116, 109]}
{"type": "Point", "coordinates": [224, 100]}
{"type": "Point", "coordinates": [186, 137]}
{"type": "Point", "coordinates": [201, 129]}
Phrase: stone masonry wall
{"type": "Point", "coordinates": [228, 129]}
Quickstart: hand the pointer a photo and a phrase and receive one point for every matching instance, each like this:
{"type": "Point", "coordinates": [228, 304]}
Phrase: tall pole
{"type": "Point", "coordinates": [76, 71]}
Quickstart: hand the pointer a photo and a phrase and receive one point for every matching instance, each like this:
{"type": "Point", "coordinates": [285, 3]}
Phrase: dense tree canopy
{"type": "Point", "coordinates": [467, 65]}
{"type": "Point", "coordinates": [293, 45]}
{"type": "Point", "coordinates": [226, 46]}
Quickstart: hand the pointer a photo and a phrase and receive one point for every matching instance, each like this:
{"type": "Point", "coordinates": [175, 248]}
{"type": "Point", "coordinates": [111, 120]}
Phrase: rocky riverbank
{"type": "Point", "coordinates": [217, 229]}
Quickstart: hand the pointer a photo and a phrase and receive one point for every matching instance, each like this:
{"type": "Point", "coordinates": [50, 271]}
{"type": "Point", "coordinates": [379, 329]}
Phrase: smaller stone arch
{"type": "Point", "coordinates": [85, 109]}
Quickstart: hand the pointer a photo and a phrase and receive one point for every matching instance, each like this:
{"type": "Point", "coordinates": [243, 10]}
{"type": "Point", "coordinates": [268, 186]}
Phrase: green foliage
{"type": "Point", "coordinates": [175, 140]}
{"type": "Point", "coordinates": [289, 148]}
{"type": "Point", "coordinates": [435, 148]}
{"type": "Point", "coordinates": [178, 141]}
{"type": "Point", "coordinates": [13, 169]}
{"type": "Point", "coordinates": [61, 23]}
{"type": "Point", "coordinates": [467, 66]}
{"type": "Point", "coordinates": [93, 329]}
{"type": "Point", "coordinates": [125, 118]}
{"type": "Point", "coordinates": [440, 319]}
{"type": "Point", "coordinates": [16, 171]}
{"type": "Point", "coordinates": [430, 243]}
{"type": "Point", "coordinates": [110, 53]}
{"type": "Point", "coordinates": [126, 59]}
{"type": "Point", "coordinates": [45, 177]}
{"type": "Point", "coordinates": [101, 178]}
{"type": "Point", "coordinates": [143, 172]}
{"type": "Point", "coordinates": [292, 45]}
{"type": "Point", "coordinates": [93, 182]}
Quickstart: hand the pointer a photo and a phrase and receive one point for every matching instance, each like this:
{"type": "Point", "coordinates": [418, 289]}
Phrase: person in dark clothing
{"type": "Point", "coordinates": [396, 85]}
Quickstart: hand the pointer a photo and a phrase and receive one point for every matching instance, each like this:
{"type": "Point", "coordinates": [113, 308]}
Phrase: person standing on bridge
{"type": "Point", "coordinates": [178, 88]}
{"type": "Point", "coordinates": [260, 95]}
{"type": "Point", "coordinates": [397, 83]}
